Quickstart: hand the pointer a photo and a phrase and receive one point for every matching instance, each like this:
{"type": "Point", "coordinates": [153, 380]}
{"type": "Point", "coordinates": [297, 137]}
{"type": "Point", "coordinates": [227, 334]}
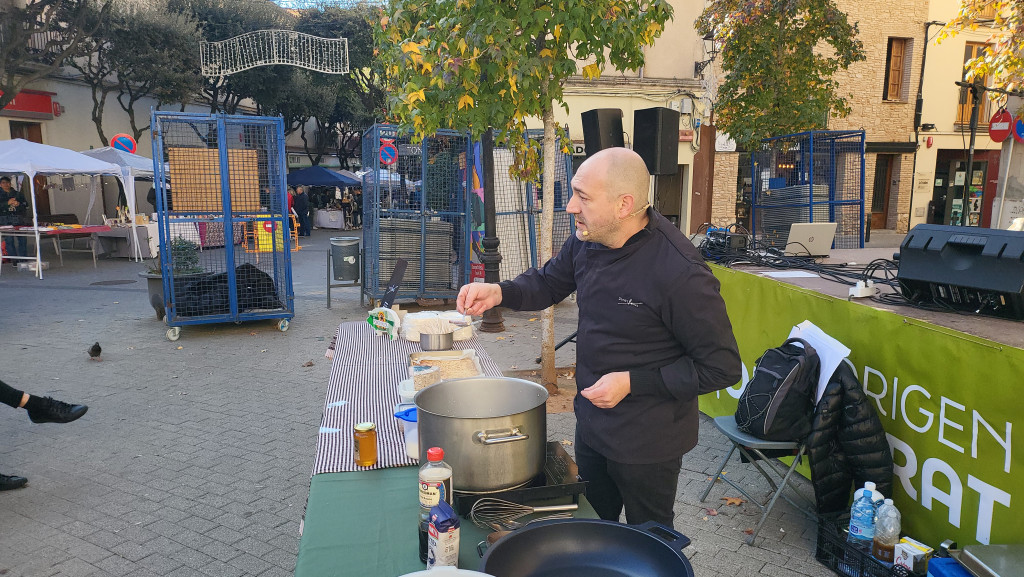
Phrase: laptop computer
{"type": "Point", "coordinates": [810, 239]}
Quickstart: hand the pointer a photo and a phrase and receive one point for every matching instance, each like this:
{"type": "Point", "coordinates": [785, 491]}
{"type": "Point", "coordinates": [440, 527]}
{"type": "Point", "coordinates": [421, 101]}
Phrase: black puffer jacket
{"type": "Point", "coordinates": [847, 445]}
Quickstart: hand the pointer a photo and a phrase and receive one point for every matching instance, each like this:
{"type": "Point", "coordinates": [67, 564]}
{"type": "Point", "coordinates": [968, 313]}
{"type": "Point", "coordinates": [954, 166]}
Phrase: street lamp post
{"type": "Point", "coordinates": [711, 47]}
{"type": "Point", "coordinates": [491, 258]}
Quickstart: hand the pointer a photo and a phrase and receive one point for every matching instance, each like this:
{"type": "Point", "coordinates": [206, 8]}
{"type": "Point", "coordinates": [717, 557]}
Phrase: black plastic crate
{"type": "Point", "coordinates": [835, 553]}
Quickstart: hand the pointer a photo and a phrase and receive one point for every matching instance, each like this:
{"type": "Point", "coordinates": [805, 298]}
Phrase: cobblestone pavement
{"type": "Point", "coordinates": [195, 456]}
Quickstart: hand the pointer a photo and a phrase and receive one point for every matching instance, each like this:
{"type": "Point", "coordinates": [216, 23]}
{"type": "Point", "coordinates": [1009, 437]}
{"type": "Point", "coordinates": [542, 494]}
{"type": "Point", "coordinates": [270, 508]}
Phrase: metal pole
{"type": "Point", "coordinates": [493, 321]}
{"type": "Point", "coordinates": [1002, 201]}
{"type": "Point", "coordinates": [976, 93]}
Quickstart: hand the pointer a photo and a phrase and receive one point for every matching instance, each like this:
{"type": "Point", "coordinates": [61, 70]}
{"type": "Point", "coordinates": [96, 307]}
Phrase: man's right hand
{"type": "Point", "coordinates": [477, 297]}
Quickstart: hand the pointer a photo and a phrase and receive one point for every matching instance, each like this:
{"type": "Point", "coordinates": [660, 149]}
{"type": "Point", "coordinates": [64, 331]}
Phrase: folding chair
{"type": "Point", "coordinates": [751, 448]}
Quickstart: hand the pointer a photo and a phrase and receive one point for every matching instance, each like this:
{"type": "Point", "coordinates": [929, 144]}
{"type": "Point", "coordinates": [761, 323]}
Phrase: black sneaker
{"type": "Point", "coordinates": [8, 482]}
{"type": "Point", "coordinates": [54, 411]}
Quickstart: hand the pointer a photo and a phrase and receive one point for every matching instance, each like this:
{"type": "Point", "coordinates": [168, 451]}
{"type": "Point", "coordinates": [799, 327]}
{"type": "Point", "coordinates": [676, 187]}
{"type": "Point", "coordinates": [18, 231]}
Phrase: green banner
{"type": "Point", "coordinates": [947, 401]}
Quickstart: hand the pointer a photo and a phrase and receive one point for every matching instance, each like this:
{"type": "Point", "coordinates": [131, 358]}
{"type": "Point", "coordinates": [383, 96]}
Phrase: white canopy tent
{"type": "Point", "coordinates": [31, 158]}
{"type": "Point", "coordinates": [132, 166]}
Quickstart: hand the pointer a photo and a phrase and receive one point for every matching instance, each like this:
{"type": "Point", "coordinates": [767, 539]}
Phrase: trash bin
{"type": "Point", "coordinates": [345, 256]}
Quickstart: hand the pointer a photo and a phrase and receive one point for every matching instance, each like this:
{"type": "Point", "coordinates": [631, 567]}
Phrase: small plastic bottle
{"type": "Point", "coordinates": [887, 533]}
{"type": "Point", "coordinates": [435, 479]}
{"type": "Point", "coordinates": [862, 520]}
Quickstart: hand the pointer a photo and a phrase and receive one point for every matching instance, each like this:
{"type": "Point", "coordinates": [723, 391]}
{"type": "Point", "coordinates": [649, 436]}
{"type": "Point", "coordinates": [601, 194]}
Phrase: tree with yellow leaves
{"type": "Point", "coordinates": [475, 64]}
{"type": "Point", "coordinates": [1002, 61]}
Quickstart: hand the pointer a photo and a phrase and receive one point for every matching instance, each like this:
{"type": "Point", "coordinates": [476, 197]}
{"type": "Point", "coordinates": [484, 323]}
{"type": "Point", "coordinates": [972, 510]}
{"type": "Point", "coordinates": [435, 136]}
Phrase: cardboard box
{"type": "Point", "coordinates": [31, 265]}
{"type": "Point", "coordinates": [912, 554]}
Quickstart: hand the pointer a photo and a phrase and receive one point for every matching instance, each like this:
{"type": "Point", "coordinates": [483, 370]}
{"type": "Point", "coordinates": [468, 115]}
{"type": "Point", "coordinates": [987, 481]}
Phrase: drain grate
{"type": "Point", "coordinates": [111, 282]}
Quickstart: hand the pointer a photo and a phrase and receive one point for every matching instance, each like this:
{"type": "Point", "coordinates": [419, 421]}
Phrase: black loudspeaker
{"type": "Point", "coordinates": [602, 128]}
{"type": "Point", "coordinates": [979, 270]}
{"type": "Point", "coordinates": [656, 138]}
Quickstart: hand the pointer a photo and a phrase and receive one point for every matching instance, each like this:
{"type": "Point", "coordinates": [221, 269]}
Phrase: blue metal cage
{"type": "Point", "coordinates": [225, 247]}
{"type": "Point", "coordinates": [416, 207]}
{"type": "Point", "coordinates": [815, 176]}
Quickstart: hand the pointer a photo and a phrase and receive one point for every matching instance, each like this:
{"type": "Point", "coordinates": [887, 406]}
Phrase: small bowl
{"type": "Point", "coordinates": [436, 342]}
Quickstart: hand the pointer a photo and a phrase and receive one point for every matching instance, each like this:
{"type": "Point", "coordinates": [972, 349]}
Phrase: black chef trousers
{"type": "Point", "coordinates": [647, 491]}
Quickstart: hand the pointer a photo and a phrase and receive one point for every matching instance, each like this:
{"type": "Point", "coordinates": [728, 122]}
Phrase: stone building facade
{"type": "Point", "coordinates": [887, 119]}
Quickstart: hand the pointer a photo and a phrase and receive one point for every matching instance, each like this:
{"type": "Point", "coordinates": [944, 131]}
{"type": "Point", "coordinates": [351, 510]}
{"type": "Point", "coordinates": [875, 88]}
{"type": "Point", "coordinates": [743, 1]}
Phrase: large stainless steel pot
{"type": "Point", "coordinates": [493, 430]}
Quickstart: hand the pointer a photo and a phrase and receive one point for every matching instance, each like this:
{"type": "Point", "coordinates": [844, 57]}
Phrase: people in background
{"type": "Point", "coordinates": [357, 215]}
{"type": "Point", "coordinates": [300, 204]}
{"type": "Point", "coordinates": [653, 335]}
{"type": "Point", "coordinates": [346, 208]}
{"type": "Point", "coordinates": [13, 209]}
{"type": "Point", "coordinates": [40, 410]}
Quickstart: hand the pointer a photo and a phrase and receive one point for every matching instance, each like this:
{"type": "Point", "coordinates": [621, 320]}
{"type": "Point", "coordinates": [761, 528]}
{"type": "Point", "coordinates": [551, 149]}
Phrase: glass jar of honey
{"type": "Point", "coordinates": [365, 446]}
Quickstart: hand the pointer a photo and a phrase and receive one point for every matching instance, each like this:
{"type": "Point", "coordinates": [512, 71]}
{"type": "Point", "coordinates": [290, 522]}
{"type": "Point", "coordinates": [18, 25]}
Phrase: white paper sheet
{"type": "Point", "coordinates": [830, 352]}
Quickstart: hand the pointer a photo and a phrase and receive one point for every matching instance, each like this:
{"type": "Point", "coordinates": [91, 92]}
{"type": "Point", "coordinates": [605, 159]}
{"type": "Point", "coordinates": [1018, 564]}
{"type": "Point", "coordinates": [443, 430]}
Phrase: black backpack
{"type": "Point", "coordinates": [778, 402]}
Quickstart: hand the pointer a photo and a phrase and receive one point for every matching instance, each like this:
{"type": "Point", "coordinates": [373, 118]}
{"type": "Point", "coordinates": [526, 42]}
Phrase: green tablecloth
{"type": "Point", "coordinates": [364, 524]}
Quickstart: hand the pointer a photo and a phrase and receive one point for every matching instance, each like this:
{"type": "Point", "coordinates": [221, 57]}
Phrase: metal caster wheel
{"type": "Point", "coordinates": [173, 333]}
{"type": "Point", "coordinates": [282, 325]}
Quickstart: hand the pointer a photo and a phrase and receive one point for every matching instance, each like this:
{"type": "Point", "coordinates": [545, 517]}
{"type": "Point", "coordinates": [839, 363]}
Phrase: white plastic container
{"type": "Point", "coordinates": [409, 428]}
{"type": "Point", "coordinates": [406, 390]}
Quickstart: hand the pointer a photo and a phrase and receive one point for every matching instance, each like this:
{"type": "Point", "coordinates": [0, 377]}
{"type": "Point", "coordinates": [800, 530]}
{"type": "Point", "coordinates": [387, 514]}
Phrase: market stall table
{"type": "Point", "coordinates": [57, 235]}
{"type": "Point", "coordinates": [117, 242]}
{"type": "Point", "coordinates": [362, 520]}
{"type": "Point", "coordinates": [331, 219]}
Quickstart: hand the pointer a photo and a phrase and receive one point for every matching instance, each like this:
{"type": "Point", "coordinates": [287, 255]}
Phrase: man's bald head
{"type": "Point", "coordinates": [622, 170]}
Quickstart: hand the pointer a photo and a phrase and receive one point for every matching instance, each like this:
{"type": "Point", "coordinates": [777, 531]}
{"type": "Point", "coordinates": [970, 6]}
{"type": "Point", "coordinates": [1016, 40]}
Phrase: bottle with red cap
{"type": "Point", "coordinates": [435, 486]}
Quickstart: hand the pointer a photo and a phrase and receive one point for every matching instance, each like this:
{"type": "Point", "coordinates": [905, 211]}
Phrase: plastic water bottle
{"type": "Point", "coordinates": [435, 486]}
{"type": "Point", "coordinates": [862, 520]}
{"type": "Point", "coordinates": [887, 533]}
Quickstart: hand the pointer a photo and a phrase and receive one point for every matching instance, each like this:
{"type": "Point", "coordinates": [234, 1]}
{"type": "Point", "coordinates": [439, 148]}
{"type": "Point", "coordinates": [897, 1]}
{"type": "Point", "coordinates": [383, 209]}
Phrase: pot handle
{"type": "Point", "coordinates": [674, 539]}
{"type": "Point", "coordinates": [500, 436]}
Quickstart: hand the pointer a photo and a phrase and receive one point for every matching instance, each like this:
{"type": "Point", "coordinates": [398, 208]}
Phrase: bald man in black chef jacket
{"type": "Point", "coordinates": [653, 335]}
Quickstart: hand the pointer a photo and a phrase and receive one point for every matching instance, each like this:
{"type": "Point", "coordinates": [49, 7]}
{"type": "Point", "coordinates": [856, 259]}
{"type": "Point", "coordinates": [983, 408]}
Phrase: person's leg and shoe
{"type": "Point", "coordinates": [40, 410]}
{"type": "Point", "coordinates": [22, 246]}
{"type": "Point", "coordinates": [647, 491]}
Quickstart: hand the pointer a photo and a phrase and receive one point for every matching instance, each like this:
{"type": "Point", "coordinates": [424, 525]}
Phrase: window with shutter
{"type": "Point", "coordinates": [963, 113]}
{"type": "Point", "coordinates": [895, 64]}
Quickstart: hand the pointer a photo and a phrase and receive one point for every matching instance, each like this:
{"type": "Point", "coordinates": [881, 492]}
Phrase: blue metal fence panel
{"type": "Point", "coordinates": [416, 208]}
{"type": "Point", "coordinates": [518, 207]}
{"type": "Point", "coordinates": [225, 251]}
{"type": "Point", "coordinates": [427, 207]}
{"type": "Point", "coordinates": [815, 176]}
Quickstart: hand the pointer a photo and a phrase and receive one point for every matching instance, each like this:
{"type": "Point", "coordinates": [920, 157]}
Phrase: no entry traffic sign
{"type": "Point", "coordinates": [388, 153]}
{"type": "Point", "coordinates": [123, 142]}
{"type": "Point", "coordinates": [999, 127]}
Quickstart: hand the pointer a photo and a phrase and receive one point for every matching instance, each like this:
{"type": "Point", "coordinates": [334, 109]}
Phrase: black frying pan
{"type": "Point", "coordinates": [588, 548]}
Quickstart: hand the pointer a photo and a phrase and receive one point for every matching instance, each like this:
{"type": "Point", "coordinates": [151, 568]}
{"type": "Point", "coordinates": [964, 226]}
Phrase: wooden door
{"type": "Point", "coordinates": [33, 132]}
{"type": "Point", "coordinates": [703, 179]}
{"type": "Point", "coordinates": [881, 191]}
{"type": "Point", "coordinates": [30, 131]}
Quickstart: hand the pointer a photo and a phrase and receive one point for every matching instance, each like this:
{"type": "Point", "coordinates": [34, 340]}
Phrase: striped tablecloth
{"type": "Point", "coordinates": [364, 387]}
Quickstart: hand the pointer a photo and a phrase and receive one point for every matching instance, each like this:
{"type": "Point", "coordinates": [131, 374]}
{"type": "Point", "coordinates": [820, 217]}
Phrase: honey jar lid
{"type": "Point", "coordinates": [363, 427]}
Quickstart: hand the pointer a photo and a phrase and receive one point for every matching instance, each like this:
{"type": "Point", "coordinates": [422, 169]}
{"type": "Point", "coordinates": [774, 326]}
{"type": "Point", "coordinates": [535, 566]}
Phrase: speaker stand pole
{"type": "Point", "coordinates": [965, 210]}
{"type": "Point", "coordinates": [493, 321]}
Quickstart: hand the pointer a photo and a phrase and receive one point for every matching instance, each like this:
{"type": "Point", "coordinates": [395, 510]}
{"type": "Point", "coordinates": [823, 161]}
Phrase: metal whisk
{"type": "Point", "coordinates": [489, 511]}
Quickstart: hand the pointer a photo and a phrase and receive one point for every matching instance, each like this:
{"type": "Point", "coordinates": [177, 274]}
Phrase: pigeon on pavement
{"type": "Point", "coordinates": [94, 352]}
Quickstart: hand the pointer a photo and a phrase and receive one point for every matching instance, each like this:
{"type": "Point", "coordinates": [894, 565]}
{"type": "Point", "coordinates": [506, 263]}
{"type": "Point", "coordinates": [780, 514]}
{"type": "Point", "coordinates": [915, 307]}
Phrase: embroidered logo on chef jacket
{"type": "Point", "coordinates": [629, 302]}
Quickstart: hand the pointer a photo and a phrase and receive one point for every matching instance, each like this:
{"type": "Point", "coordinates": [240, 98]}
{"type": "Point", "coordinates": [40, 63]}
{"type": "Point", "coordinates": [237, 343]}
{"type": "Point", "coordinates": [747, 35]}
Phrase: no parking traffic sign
{"type": "Point", "coordinates": [388, 152]}
{"type": "Point", "coordinates": [123, 142]}
{"type": "Point", "coordinates": [1018, 129]}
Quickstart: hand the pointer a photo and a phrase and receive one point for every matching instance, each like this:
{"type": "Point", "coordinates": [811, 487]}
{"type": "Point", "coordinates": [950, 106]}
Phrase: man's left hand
{"type": "Point", "coordinates": [608, 390]}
